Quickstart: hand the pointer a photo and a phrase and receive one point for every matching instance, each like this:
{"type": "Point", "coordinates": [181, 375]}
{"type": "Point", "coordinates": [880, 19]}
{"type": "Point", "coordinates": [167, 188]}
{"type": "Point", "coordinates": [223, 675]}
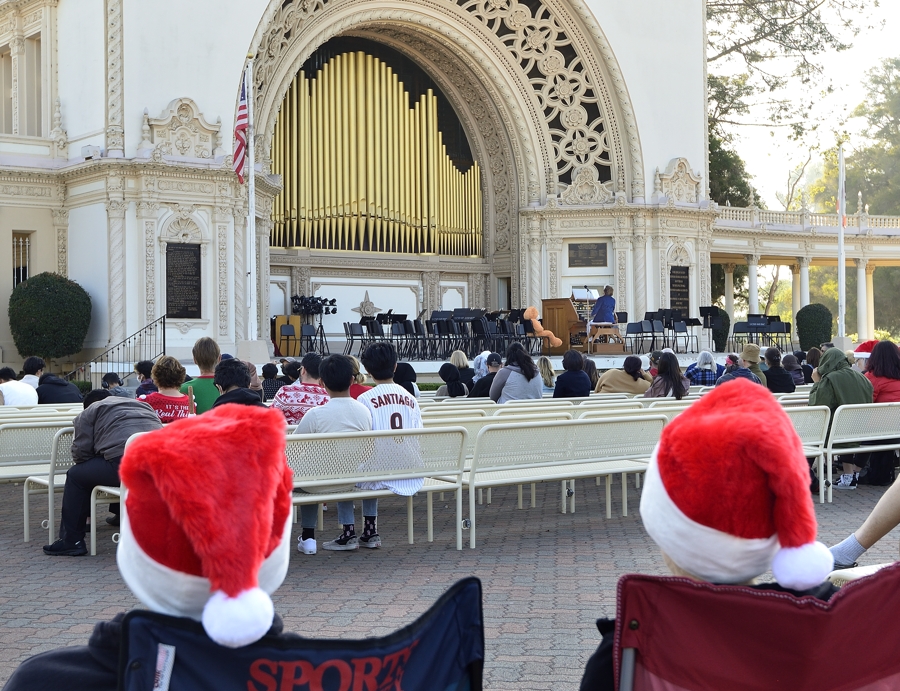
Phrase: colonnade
{"type": "Point", "coordinates": [865, 318]}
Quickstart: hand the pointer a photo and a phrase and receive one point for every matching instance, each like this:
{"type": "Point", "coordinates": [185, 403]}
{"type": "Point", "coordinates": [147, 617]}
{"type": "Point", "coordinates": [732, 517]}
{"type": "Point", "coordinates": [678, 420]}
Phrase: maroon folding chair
{"type": "Point", "coordinates": [675, 634]}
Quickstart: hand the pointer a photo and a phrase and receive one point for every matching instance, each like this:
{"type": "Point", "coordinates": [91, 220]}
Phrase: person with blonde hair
{"type": "Point", "coordinates": [357, 386]}
{"type": "Point", "coordinates": [548, 374]}
{"type": "Point", "coordinates": [168, 401]}
{"type": "Point", "coordinates": [466, 373]}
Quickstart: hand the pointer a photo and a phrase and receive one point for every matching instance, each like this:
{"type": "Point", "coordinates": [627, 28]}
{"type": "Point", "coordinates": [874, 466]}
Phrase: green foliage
{"type": "Point", "coordinates": [729, 181]}
{"type": "Point", "coordinates": [814, 325]}
{"type": "Point", "coordinates": [720, 336]}
{"type": "Point", "coordinates": [83, 386]}
{"type": "Point", "coordinates": [429, 386]}
{"type": "Point", "coordinates": [49, 316]}
{"type": "Point", "coordinates": [717, 284]}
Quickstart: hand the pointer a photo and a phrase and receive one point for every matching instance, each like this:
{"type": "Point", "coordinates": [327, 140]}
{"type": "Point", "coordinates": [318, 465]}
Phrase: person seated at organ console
{"type": "Point", "coordinates": [605, 308]}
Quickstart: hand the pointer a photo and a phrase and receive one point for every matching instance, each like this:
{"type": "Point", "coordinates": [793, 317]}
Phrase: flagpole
{"type": "Point", "coordinates": [842, 211]}
{"type": "Point", "coordinates": [252, 325]}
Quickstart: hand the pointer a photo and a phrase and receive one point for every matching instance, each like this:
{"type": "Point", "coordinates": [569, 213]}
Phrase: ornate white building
{"type": "Point", "coordinates": [584, 122]}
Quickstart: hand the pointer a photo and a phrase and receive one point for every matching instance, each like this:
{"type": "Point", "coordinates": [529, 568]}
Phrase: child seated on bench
{"type": "Point", "coordinates": [726, 501]}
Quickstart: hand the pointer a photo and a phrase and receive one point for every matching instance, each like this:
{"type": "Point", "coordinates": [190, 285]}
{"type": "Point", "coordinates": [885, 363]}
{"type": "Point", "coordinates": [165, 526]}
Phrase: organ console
{"type": "Point", "coordinates": [560, 316]}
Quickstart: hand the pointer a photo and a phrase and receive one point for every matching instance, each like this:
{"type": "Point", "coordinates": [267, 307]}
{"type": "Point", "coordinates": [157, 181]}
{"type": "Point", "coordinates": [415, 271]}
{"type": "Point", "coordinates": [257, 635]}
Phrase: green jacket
{"type": "Point", "coordinates": [755, 368]}
{"type": "Point", "coordinates": [839, 383]}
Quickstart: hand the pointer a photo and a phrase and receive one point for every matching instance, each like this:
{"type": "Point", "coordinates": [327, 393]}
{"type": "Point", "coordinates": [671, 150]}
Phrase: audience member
{"type": "Point", "coordinates": [391, 407]}
{"type": "Point", "coordinates": [519, 380]}
{"type": "Point", "coordinates": [207, 565]}
{"type": "Point", "coordinates": [290, 371]}
{"type": "Point", "coordinates": [548, 374]}
{"type": "Point", "coordinates": [480, 366]}
{"type": "Point", "coordinates": [101, 432]}
{"type": "Point", "coordinates": [53, 389]}
{"type": "Point", "coordinates": [143, 370]}
{"type": "Point", "coordinates": [751, 515]}
{"type": "Point", "coordinates": [270, 382]}
{"type": "Point", "coordinates": [206, 355]}
{"type": "Point", "coordinates": [826, 346]}
{"type": "Point", "coordinates": [339, 415]}
{"type": "Point", "coordinates": [295, 399]}
{"type": "Point", "coordinates": [840, 385]}
{"type": "Point", "coordinates": [574, 382]}
{"type": "Point", "coordinates": [232, 379]}
{"type": "Point", "coordinates": [631, 379]}
{"type": "Point", "coordinates": [113, 383]}
{"type": "Point", "coordinates": [590, 369]}
{"type": "Point", "coordinates": [482, 388]}
{"type": "Point", "coordinates": [704, 372]}
{"type": "Point", "coordinates": [452, 386]}
{"type": "Point", "coordinates": [33, 369]}
{"type": "Point", "coordinates": [861, 356]}
{"type": "Point", "coordinates": [792, 366]}
{"type": "Point", "coordinates": [813, 357]}
{"type": "Point", "coordinates": [778, 379]}
{"type": "Point", "coordinates": [740, 370]}
{"type": "Point", "coordinates": [669, 382]}
{"type": "Point", "coordinates": [654, 362]}
{"type": "Point", "coordinates": [750, 356]}
{"type": "Point", "coordinates": [732, 362]}
{"type": "Point", "coordinates": [883, 370]}
{"type": "Point", "coordinates": [404, 375]}
{"type": "Point", "coordinates": [358, 387]}
{"type": "Point", "coordinates": [466, 373]}
{"type": "Point", "coordinates": [14, 392]}
{"type": "Point", "coordinates": [255, 384]}
{"type": "Point", "coordinates": [168, 401]}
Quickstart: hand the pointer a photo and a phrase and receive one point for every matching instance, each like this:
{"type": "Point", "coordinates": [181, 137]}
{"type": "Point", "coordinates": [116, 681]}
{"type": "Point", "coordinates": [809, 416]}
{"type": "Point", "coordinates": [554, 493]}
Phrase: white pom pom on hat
{"type": "Point", "coordinates": [727, 495]}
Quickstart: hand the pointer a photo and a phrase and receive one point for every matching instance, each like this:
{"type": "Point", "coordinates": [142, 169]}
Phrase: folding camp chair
{"type": "Point", "coordinates": [443, 649]}
{"type": "Point", "coordinates": [675, 633]}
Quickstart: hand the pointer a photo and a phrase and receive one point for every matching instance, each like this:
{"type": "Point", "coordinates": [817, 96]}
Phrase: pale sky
{"type": "Point", "coordinates": [769, 154]}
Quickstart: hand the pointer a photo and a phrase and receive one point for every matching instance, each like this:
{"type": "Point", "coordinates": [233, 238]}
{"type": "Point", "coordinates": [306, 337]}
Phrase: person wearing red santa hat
{"type": "Point", "coordinates": [198, 539]}
{"type": "Point", "coordinates": [727, 508]}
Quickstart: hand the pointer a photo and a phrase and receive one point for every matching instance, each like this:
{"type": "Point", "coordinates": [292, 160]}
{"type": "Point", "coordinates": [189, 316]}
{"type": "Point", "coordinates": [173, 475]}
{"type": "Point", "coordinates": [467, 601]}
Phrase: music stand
{"type": "Point", "coordinates": [711, 321]}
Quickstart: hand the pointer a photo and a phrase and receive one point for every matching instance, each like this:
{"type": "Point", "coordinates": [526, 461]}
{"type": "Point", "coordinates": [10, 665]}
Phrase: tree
{"type": "Point", "coordinates": [49, 316]}
{"type": "Point", "coordinates": [729, 181]}
{"type": "Point", "coordinates": [814, 325]}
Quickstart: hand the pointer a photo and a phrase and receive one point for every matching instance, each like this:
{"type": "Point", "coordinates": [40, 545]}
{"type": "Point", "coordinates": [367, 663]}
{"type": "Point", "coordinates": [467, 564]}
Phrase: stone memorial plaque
{"type": "Point", "coordinates": [183, 281]}
{"type": "Point", "coordinates": [680, 289]}
{"type": "Point", "coordinates": [587, 254]}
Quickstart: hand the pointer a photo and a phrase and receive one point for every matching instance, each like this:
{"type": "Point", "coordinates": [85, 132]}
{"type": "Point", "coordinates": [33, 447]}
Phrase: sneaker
{"type": "Point", "coordinates": [841, 567]}
{"type": "Point", "coordinates": [64, 549]}
{"type": "Point", "coordinates": [342, 544]}
{"type": "Point", "coordinates": [307, 546]}
{"type": "Point", "coordinates": [847, 481]}
{"type": "Point", "coordinates": [372, 542]}
{"type": "Point", "coordinates": [113, 520]}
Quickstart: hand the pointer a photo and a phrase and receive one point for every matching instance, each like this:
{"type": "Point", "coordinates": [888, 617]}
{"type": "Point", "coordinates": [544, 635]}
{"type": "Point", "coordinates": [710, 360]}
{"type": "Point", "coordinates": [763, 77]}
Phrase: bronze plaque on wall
{"type": "Point", "coordinates": [183, 281]}
{"type": "Point", "coordinates": [587, 254]}
{"type": "Point", "coordinates": [680, 289]}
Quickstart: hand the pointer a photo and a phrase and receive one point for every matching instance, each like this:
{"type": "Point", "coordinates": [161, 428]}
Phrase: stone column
{"type": "Point", "coordinates": [222, 218]}
{"type": "Point", "coordinates": [870, 306]}
{"type": "Point", "coordinates": [639, 248]}
{"type": "Point", "coordinates": [535, 244]}
{"type": "Point", "coordinates": [147, 213]}
{"type": "Point", "coordinates": [729, 291]}
{"type": "Point", "coordinates": [115, 77]}
{"type": "Point", "coordinates": [239, 213]}
{"type": "Point", "coordinates": [753, 280]}
{"type": "Point", "coordinates": [620, 246]}
{"type": "Point", "coordinates": [115, 214]}
{"type": "Point", "coordinates": [61, 225]}
{"type": "Point", "coordinates": [661, 244]}
{"type": "Point", "coordinates": [804, 280]}
{"type": "Point", "coordinates": [554, 250]}
{"type": "Point", "coordinates": [263, 228]}
{"type": "Point", "coordinates": [17, 61]}
{"type": "Point", "coordinates": [795, 292]}
{"type": "Point", "coordinates": [862, 301]}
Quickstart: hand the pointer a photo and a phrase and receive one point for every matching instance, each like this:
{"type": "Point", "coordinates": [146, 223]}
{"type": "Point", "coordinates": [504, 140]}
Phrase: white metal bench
{"type": "Point", "coordinates": [328, 467]}
{"type": "Point", "coordinates": [25, 448]}
{"type": "Point", "coordinates": [811, 425]}
{"type": "Point", "coordinates": [517, 454]}
{"type": "Point", "coordinates": [50, 484]}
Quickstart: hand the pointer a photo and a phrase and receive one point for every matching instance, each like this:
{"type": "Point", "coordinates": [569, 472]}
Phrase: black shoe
{"type": "Point", "coordinates": [113, 520]}
{"type": "Point", "coordinates": [60, 548]}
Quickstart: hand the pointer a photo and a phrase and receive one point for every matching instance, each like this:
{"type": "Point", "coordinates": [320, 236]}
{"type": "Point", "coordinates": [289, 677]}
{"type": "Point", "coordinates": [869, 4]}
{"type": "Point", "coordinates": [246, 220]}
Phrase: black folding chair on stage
{"type": "Point", "coordinates": [443, 649]}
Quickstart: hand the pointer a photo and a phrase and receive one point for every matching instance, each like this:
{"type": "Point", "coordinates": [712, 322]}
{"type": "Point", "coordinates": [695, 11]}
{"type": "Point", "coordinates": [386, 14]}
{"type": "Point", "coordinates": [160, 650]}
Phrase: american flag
{"type": "Point", "coordinates": [241, 126]}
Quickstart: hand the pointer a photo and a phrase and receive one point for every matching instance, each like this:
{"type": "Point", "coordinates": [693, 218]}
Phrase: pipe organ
{"type": "Point", "coordinates": [365, 171]}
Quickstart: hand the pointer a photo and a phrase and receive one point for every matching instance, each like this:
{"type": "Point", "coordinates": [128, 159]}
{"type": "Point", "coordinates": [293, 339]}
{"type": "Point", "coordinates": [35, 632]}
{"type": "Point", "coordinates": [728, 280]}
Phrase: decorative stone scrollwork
{"type": "Point", "coordinates": [679, 184]}
{"type": "Point", "coordinates": [678, 254]}
{"type": "Point", "coordinates": [586, 188]}
{"type": "Point", "coordinates": [58, 135]}
{"type": "Point", "coordinates": [182, 132]}
{"type": "Point", "coordinates": [115, 70]}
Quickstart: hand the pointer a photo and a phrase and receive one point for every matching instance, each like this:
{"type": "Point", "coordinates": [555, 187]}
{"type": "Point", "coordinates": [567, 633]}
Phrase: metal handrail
{"type": "Point", "coordinates": [147, 344]}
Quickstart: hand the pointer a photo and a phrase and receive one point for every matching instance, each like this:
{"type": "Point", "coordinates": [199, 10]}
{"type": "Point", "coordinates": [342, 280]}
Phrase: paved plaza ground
{"type": "Point", "coordinates": [546, 577]}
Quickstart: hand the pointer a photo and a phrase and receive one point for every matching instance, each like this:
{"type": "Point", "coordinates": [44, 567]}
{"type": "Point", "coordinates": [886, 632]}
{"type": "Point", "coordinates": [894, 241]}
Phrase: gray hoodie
{"type": "Point", "coordinates": [511, 385]}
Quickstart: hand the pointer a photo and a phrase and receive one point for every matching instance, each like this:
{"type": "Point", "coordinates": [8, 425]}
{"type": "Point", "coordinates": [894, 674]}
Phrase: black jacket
{"type": "Point", "coordinates": [92, 667]}
{"type": "Point", "coordinates": [466, 376]}
{"type": "Point", "coordinates": [56, 390]}
{"type": "Point", "coordinates": [779, 380]}
{"type": "Point", "coordinates": [241, 396]}
{"type": "Point", "coordinates": [482, 388]}
{"type": "Point", "coordinates": [575, 384]}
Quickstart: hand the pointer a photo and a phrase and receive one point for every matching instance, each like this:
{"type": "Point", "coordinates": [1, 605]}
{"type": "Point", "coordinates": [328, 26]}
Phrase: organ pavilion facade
{"type": "Point", "coordinates": [411, 154]}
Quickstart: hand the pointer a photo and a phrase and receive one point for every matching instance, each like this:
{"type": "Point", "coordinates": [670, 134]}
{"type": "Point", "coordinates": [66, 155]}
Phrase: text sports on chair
{"type": "Point", "coordinates": [674, 634]}
{"type": "Point", "coordinates": [443, 649]}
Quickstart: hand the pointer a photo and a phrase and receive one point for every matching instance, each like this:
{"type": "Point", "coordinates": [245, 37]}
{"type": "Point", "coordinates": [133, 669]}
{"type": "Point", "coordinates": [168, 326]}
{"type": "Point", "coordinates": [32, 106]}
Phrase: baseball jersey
{"type": "Point", "coordinates": [393, 407]}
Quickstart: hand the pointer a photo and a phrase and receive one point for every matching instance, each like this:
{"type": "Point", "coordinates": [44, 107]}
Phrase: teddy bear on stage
{"type": "Point", "coordinates": [539, 331]}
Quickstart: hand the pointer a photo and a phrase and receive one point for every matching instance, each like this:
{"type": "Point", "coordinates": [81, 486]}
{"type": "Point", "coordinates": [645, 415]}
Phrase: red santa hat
{"type": "Point", "coordinates": [206, 520]}
{"type": "Point", "coordinates": [727, 496]}
{"type": "Point", "coordinates": [864, 350]}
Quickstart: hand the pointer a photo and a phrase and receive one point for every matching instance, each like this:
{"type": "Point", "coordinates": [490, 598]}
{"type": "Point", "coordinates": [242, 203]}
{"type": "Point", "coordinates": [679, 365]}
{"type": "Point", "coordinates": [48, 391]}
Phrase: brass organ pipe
{"type": "Point", "coordinates": [308, 170]}
{"type": "Point", "coordinates": [338, 164]}
{"type": "Point", "coordinates": [329, 167]}
{"type": "Point", "coordinates": [392, 159]}
{"type": "Point", "coordinates": [286, 190]}
{"type": "Point", "coordinates": [293, 161]}
{"type": "Point", "coordinates": [379, 158]}
{"type": "Point", "coordinates": [371, 185]}
{"type": "Point", "coordinates": [349, 108]}
{"type": "Point", "coordinates": [317, 162]}
{"type": "Point", "coordinates": [360, 147]}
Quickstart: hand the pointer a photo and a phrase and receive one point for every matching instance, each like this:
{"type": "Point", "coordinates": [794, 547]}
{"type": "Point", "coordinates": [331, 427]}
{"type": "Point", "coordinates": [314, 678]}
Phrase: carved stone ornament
{"type": "Point", "coordinates": [182, 132]}
{"type": "Point", "coordinates": [678, 254]}
{"type": "Point", "coordinates": [586, 188]}
{"type": "Point", "coordinates": [680, 184]}
{"type": "Point", "coordinates": [366, 308]}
